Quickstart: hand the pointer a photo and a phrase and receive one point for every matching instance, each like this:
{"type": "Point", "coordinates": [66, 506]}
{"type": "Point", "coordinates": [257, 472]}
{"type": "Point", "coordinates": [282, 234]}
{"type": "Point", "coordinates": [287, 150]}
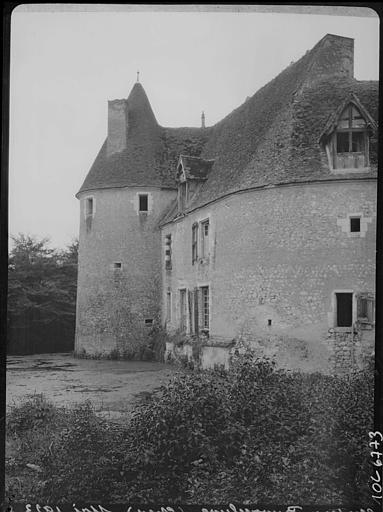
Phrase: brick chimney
{"type": "Point", "coordinates": [117, 126]}
{"type": "Point", "coordinates": [203, 120]}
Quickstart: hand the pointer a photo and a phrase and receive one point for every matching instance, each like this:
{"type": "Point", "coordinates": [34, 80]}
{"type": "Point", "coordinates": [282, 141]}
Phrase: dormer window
{"type": "Point", "coordinates": [183, 195]}
{"type": "Point", "coordinates": [346, 137]}
{"type": "Point", "coordinates": [351, 140]}
{"type": "Point", "coordinates": [191, 172]}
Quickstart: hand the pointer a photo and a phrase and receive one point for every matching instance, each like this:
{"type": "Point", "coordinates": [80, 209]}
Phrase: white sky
{"type": "Point", "coordinates": [66, 65]}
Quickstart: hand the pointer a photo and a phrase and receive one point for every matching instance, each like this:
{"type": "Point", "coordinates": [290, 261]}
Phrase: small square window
{"type": "Point", "coordinates": [117, 265]}
{"type": "Point", "coordinates": [148, 321]}
{"type": "Point", "coordinates": [355, 224]}
{"type": "Point", "coordinates": [143, 202]}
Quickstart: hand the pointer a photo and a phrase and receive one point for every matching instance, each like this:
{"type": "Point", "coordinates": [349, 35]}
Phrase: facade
{"type": "Point", "coordinates": [258, 231]}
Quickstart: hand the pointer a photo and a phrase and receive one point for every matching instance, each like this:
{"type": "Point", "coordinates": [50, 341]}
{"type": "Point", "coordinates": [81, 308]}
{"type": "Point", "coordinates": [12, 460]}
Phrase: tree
{"type": "Point", "coordinates": [41, 291]}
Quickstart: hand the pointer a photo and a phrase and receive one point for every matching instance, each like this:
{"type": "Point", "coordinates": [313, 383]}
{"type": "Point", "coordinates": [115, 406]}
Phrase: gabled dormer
{"type": "Point", "coordinates": [346, 137]}
{"type": "Point", "coordinates": [191, 172]}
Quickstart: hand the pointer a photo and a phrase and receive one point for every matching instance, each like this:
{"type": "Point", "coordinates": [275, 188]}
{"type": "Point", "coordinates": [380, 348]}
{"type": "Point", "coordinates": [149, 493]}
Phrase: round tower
{"type": "Point", "coordinates": [122, 199]}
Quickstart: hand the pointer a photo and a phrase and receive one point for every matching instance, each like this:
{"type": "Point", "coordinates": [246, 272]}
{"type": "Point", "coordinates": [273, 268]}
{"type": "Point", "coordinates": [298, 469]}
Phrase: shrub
{"type": "Point", "coordinates": [83, 462]}
{"type": "Point", "coordinates": [34, 413]}
{"type": "Point", "coordinates": [253, 434]}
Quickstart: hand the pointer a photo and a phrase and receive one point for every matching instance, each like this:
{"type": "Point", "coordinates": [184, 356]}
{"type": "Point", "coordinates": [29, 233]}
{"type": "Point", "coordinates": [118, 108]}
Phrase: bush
{"type": "Point", "coordinates": [34, 413]}
{"type": "Point", "coordinates": [253, 434]}
{"type": "Point", "coordinates": [83, 462]}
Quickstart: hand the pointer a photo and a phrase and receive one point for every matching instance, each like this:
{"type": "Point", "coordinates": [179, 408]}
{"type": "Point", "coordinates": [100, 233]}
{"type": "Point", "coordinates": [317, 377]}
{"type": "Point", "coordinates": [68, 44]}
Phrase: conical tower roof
{"type": "Point", "coordinates": [150, 154]}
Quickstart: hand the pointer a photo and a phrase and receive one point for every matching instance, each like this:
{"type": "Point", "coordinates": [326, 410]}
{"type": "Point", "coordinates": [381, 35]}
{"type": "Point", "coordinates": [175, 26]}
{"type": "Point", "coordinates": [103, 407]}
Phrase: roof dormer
{"type": "Point", "coordinates": [191, 171]}
{"type": "Point", "coordinates": [346, 137]}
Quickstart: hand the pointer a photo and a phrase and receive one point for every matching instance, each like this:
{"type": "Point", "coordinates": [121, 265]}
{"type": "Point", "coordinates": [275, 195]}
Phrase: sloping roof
{"type": "Point", "coordinates": [334, 118]}
{"type": "Point", "coordinates": [270, 139]}
{"type": "Point", "coordinates": [195, 167]}
{"type": "Point", "coordinates": [151, 152]}
{"type": "Point", "coordinates": [273, 137]}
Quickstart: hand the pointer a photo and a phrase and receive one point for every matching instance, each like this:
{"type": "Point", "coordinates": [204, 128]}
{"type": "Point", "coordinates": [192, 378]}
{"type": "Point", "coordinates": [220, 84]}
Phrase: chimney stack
{"type": "Point", "coordinates": [203, 120]}
{"type": "Point", "coordinates": [117, 126]}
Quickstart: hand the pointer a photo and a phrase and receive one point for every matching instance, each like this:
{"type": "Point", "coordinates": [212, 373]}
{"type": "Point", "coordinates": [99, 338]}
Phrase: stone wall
{"type": "Point", "coordinates": [276, 257]}
{"type": "Point", "coordinates": [119, 269]}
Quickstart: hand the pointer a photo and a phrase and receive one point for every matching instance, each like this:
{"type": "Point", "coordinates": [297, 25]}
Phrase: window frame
{"type": "Point", "coordinates": [195, 227]}
{"type": "Point", "coordinates": [168, 251]}
{"type": "Point", "coordinates": [205, 240]}
{"type": "Point", "coordinates": [350, 130]}
{"type": "Point", "coordinates": [89, 200]}
{"type": "Point", "coordinates": [143, 195]}
{"type": "Point", "coordinates": [168, 306]}
{"type": "Point", "coordinates": [205, 309]}
{"type": "Point", "coordinates": [353, 218]}
{"type": "Point", "coordinates": [334, 310]}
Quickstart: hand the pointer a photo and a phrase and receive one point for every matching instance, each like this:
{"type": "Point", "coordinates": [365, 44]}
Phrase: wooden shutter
{"type": "Point", "coordinates": [190, 307]}
{"type": "Point", "coordinates": [366, 310]}
{"type": "Point", "coordinates": [196, 310]}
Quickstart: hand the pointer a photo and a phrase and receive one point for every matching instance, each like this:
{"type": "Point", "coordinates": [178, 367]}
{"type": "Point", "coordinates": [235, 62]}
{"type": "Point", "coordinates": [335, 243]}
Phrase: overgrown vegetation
{"type": "Point", "coordinates": [150, 347]}
{"type": "Point", "coordinates": [253, 434]}
{"type": "Point", "coordinates": [41, 296]}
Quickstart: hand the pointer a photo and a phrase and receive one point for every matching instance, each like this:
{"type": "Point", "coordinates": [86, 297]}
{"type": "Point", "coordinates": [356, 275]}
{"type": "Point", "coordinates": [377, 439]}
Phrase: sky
{"type": "Point", "coordinates": [65, 66]}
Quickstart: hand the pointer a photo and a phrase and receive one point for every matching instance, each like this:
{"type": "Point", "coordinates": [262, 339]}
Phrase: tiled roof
{"type": "Point", "coordinates": [273, 137]}
{"type": "Point", "coordinates": [195, 167]}
{"type": "Point", "coordinates": [270, 139]}
{"type": "Point", "coordinates": [151, 152]}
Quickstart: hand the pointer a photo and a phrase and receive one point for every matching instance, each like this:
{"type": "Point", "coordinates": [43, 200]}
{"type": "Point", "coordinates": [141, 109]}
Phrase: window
{"type": "Point", "coordinates": [205, 239]}
{"type": "Point", "coordinates": [89, 207]}
{"type": "Point", "coordinates": [89, 213]}
{"type": "Point", "coordinates": [148, 321]}
{"type": "Point", "coordinates": [183, 310]}
{"type": "Point", "coordinates": [194, 242]}
{"type": "Point", "coordinates": [351, 140]}
{"type": "Point", "coordinates": [117, 265]}
{"type": "Point", "coordinates": [205, 308]}
{"type": "Point", "coordinates": [182, 195]}
{"type": "Point", "coordinates": [355, 224]}
{"type": "Point", "coordinates": [343, 309]}
{"type": "Point", "coordinates": [168, 252]}
{"type": "Point", "coordinates": [143, 203]}
{"type": "Point", "coordinates": [168, 306]}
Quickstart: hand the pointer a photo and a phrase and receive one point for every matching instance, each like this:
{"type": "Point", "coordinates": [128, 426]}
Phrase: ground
{"type": "Point", "coordinates": [112, 386]}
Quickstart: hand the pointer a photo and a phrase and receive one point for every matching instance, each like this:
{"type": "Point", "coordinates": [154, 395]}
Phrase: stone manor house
{"type": "Point", "coordinates": [258, 231]}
